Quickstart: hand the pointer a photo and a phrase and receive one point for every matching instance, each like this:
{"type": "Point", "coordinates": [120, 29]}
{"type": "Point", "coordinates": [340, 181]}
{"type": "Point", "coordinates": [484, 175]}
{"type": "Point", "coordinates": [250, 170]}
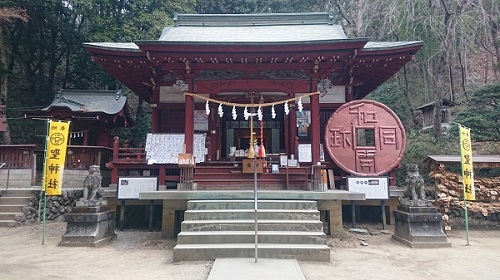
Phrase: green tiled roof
{"type": "Point", "coordinates": [252, 28]}
{"type": "Point", "coordinates": [89, 101]}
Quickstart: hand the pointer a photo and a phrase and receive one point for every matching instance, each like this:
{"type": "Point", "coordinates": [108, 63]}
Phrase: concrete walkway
{"type": "Point", "coordinates": [264, 269]}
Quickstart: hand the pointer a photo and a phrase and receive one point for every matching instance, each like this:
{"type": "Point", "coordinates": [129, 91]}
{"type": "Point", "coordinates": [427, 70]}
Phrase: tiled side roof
{"type": "Point", "coordinates": [457, 158]}
{"type": "Point", "coordinates": [88, 101]}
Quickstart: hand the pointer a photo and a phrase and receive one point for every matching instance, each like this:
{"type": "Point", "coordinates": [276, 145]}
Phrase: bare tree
{"type": "Point", "coordinates": [451, 19]}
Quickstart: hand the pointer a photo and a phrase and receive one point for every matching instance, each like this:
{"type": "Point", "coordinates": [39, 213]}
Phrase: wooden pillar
{"type": "Point", "coordinates": [292, 125]}
{"type": "Point", "coordinates": [189, 120]}
{"type": "Point", "coordinates": [217, 139]}
{"type": "Point", "coordinates": [315, 125]}
{"type": "Point", "coordinates": [349, 91]}
{"type": "Point", "coordinates": [86, 138]}
{"type": "Point", "coordinates": [155, 111]}
{"type": "Point", "coordinates": [392, 178]}
{"type": "Point", "coordinates": [286, 132]}
{"type": "Point", "coordinates": [112, 165]}
{"type": "Point", "coordinates": [212, 131]}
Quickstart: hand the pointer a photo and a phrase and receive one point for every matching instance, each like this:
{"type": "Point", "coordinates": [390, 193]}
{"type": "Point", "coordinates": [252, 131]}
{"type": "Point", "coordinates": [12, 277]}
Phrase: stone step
{"type": "Point", "coordinates": [249, 225]}
{"type": "Point", "coordinates": [9, 215]}
{"type": "Point", "coordinates": [20, 192]}
{"type": "Point", "coordinates": [243, 214]}
{"type": "Point", "coordinates": [8, 223]}
{"type": "Point", "coordinates": [11, 208]}
{"type": "Point", "coordinates": [14, 200]}
{"type": "Point", "coordinates": [209, 252]}
{"type": "Point", "coordinates": [277, 237]}
{"type": "Point", "coordinates": [249, 204]}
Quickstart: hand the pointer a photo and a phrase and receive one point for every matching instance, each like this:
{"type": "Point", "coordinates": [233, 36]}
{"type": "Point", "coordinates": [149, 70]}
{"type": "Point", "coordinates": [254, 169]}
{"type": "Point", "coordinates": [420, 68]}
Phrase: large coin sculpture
{"type": "Point", "coordinates": [365, 137]}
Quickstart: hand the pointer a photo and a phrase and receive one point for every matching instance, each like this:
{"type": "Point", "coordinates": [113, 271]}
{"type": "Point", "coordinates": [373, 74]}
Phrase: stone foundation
{"type": "Point", "coordinates": [418, 225]}
{"type": "Point", "coordinates": [89, 227]}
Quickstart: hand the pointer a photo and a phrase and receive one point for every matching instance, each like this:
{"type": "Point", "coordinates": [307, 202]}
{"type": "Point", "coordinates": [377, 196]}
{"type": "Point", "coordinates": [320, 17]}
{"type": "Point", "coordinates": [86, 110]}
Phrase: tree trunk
{"type": "Point", "coordinates": [450, 23]}
{"type": "Point", "coordinates": [3, 89]}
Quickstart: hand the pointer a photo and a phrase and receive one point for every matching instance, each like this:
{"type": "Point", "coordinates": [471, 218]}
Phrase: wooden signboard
{"type": "Point", "coordinates": [186, 160]}
{"type": "Point", "coordinates": [248, 165]}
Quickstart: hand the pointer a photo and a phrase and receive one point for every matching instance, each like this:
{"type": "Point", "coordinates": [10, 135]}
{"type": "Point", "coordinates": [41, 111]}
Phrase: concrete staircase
{"type": "Point", "coordinates": [12, 202]}
{"type": "Point", "coordinates": [226, 229]}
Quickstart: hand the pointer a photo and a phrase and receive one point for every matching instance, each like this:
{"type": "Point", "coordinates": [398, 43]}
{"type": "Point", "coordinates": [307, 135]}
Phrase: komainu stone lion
{"type": "Point", "coordinates": [92, 184]}
{"type": "Point", "coordinates": [414, 183]}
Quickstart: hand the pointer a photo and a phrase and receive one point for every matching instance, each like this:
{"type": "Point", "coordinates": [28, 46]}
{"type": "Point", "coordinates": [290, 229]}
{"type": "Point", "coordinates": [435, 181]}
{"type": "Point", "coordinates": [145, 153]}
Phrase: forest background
{"type": "Point", "coordinates": [41, 52]}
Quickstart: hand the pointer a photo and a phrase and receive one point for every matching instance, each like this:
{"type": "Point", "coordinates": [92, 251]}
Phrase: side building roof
{"type": "Point", "coordinates": [85, 104]}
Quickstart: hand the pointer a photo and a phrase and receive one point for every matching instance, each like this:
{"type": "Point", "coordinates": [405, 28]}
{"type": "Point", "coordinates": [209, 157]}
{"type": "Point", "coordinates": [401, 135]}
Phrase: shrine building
{"type": "Point", "coordinates": [288, 88]}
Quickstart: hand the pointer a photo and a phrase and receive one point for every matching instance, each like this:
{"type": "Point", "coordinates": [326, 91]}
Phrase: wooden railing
{"type": "Point", "coordinates": [17, 156]}
{"type": "Point", "coordinates": [81, 157]}
{"type": "Point", "coordinates": [126, 154]}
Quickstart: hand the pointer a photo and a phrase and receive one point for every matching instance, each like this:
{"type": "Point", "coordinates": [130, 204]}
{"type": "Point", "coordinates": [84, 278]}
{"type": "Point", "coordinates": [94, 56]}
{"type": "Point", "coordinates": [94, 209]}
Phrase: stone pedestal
{"type": "Point", "coordinates": [418, 225]}
{"type": "Point", "coordinates": [89, 226]}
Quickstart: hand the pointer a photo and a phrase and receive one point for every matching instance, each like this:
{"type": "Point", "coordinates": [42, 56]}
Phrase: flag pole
{"type": "Point", "coordinates": [467, 172]}
{"type": "Point", "coordinates": [44, 217]}
{"type": "Point", "coordinates": [466, 219]}
{"type": "Point", "coordinates": [43, 194]}
{"type": "Point", "coordinates": [42, 188]}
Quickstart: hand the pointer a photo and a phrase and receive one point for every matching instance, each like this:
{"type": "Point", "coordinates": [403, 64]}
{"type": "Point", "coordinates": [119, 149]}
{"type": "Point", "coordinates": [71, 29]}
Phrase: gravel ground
{"type": "Point", "coordinates": [139, 254]}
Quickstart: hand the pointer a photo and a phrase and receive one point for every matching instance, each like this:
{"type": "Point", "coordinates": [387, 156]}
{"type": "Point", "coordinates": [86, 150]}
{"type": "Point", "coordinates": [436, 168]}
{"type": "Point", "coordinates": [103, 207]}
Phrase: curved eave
{"type": "Point", "coordinates": [126, 63]}
{"type": "Point", "coordinates": [259, 47]}
{"type": "Point", "coordinates": [376, 63]}
{"type": "Point", "coordinates": [122, 118]}
{"type": "Point", "coordinates": [66, 112]}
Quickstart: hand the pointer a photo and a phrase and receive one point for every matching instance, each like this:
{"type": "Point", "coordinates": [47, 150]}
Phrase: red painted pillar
{"type": "Point", "coordinates": [315, 122]}
{"type": "Point", "coordinates": [213, 132]}
{"type": "Point", "coordinates": [315, 127]}
{"type": "Point", "coordinates": [218, 133]}
{"type": "Point", "coordinates": [292, 125]}
{"type": "Point", "coordinates": [112, 165]}
{"type": "Point", "coordinates": [155, 112]}
{"type": "Point", "coordinates": [349, 91]}
{"type": "Point", "coordinates": [189, 120]}
{"type": "Point", "coordinates": [286, 132]}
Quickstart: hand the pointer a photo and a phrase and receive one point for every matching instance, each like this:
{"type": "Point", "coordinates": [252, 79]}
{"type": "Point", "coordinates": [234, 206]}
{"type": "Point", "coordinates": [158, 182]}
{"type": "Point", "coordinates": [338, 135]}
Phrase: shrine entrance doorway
{"type": "Point", "coordinates": [236, 134]}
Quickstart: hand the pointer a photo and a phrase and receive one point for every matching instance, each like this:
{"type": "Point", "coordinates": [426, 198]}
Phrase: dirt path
{"type": "Point", "coordinates": [144, 255]}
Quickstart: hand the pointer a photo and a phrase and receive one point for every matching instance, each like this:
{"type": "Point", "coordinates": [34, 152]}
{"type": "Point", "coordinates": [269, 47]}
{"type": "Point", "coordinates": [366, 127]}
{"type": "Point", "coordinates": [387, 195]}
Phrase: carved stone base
{"type": "Point", "coordinates": [419, 227]}
{"type": "Point", "coordinates": [91, 203]}
{"type": "Point", "coordinates": [89, 227]}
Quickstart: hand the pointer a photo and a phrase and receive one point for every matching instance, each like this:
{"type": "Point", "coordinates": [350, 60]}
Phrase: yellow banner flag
{"type": "Point", "coordinates": [55, 157]}
{"type": "Point", "coordinates": [467, 167]}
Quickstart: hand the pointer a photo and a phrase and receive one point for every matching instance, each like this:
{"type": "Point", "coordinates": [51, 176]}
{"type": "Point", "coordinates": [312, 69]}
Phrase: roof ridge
{"type": "Point", "coordinates": [252, 19]}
